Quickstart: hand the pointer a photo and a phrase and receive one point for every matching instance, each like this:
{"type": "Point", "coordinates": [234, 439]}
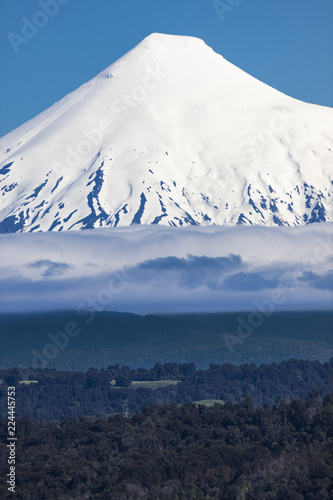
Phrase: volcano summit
{"type": "Point", "coordinates": [170, 134]}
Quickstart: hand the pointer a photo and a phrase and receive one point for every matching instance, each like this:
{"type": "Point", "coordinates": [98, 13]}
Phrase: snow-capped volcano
{"type": "Point", "coordinates": [170, 134]}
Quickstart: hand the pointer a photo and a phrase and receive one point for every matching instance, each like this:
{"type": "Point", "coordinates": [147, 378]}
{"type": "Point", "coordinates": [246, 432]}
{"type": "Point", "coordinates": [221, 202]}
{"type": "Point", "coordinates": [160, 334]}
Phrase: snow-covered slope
{"type": "Point", "coordinates": [170, 134]}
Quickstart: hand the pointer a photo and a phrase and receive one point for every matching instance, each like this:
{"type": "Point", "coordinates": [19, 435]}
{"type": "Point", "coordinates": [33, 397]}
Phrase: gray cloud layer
{"type": "Point", "coordinates": [50, 268]}
{"type": "Point", "coordinates": [189, 272]}
{"type": "Point", "coordinates": [167, 270]}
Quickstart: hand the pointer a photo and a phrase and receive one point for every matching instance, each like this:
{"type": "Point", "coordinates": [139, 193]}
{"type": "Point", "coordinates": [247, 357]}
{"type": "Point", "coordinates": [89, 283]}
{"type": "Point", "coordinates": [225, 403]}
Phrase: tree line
{"type": "Point", "coordinates": [102, 392]}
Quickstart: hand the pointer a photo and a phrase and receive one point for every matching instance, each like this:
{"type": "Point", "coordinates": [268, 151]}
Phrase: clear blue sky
{"type": "Point", "coordinates": [284, 43]}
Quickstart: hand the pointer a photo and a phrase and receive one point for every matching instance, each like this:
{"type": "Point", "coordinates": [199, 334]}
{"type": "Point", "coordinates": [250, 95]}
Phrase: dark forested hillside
{"type": "Point", "coordinates": [50, 394]}
{"type": "Point", "coordinates": [77, 340]}
{"type": "Point", "coordinates": [184, 452]}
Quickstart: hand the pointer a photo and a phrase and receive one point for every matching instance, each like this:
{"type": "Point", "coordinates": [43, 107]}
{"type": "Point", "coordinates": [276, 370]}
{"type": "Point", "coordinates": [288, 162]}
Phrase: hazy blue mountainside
{"type": "Point", "coordinates": [100, 339]}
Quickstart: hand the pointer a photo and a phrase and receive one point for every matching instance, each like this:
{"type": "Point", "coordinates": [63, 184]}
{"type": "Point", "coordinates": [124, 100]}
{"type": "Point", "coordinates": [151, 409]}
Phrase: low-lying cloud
{"type": "Point", "coordinates": [49, 268]}
{"type": "Point", "coordinates": [190, 272]}
{"type": "Point", "coordinates": [161, 269]}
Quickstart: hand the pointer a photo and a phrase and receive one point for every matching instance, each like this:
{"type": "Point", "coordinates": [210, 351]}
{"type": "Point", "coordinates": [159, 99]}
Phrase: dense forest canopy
{"type": "Point", "coordinates": [188, 452]}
